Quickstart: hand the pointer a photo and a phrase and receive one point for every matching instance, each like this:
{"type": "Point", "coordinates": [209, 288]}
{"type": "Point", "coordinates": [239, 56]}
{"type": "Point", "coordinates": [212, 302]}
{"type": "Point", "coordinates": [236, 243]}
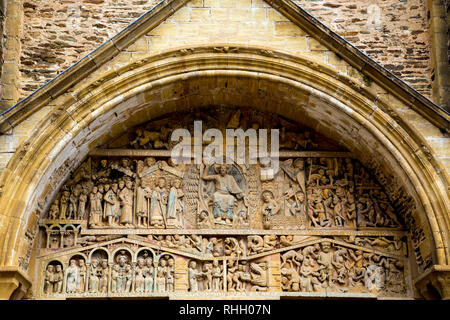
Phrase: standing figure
{"type": "Point", "coordinates": [64, 205]}
{"type": "Point", "coordinates": [116, 281]}
{"type": "Point", "coordinates": [207, 273]}
{"type": "Point", "coordinates": [93, 277]}
{"type": "Point", "coordinates": [269, 208]}
{"type": "Point", "coordinates": [72, 277]}
{"type": "Point", "coordinates": [143, 195]}
{"type": "Point", "coordinates": [149, 274]}
{"type": "Point", "coordinates": [82, 200]}
{"type": "Point", "coordinates": [58, 279]}
{"type": "Point", "coordinates": [127, 278]}
{"type": "Point", "coordinates": [95, 204]}
{"type": "Point", "coordinates": [111, 203]}
{"type": "Point", "coordinates": [83, 275]}
{"type": "Point", "coordinates": [159, 203]}
{"type": "Point", "coordinates": [216, 276]}
{"type": "Point", "coordinates": [161, 276]}
{"type": "Point", "coordinates": [170, 275]}
{"type": "Point", "coordinates": [193, 276]}
{"type": "Point", "coordinates": [103, 281]}
{"type": "Point", "coordinates": [126, 199]}
{"type": "Point", "coordinates": [48, 279]}
{"type": "Point", "coordinates": [73, 205]}
{"type": "Point", "coordinates": [139, 279]}
{"type": "Point", "coordinates": [175, 206]}
{"type": "Point", "coordinates": [54, 210]}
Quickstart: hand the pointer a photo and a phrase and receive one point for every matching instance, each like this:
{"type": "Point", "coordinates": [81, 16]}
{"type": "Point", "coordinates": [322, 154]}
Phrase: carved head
{"type": "Point", "coordinates": [299, 163]}
{"type": "Point", "coordinates": [267, 195]}
{"type": "Point", "coordinates": [150, 161]}
{"type": "Point", "coordinates": [300, 196]}
{"type": "Point", "coordinates": [176, 183]}
{"type": "Point", "coordinates": [162, 262]}
{"type": "Point", "coordinates": [216, 263]}
{"type": "Point", "coordinates": [50, 268]}
{"type": "Point", "coordinates": [129, 184]}
{"type": "Point", "coordinates": [104, 163]}
{"type": "Point", "coordinates": [58, 268]}
{"type": "Point", "coordinates": [104, 263]}
{"type": "Point", "coordinates": [171, 262]}
{"type": "Point", "coordinates": [149, 261]}
{"type": "Point", "coordinates": [121, 184]}
{"type": "Point", "coordinates": [140, 262]}
{"type": "Point", "coordinates": [94, 189]}
{"type": "Point", "coordinates": [326, 246]}
{"type": "Point", "coordinates": [113, 187]}
{"type": "Point", "coordinates": [192, 264]}
{"type": "Point", "coordinates": [73, 263]}
{"type": "Point", "coordinates": [162, 182]}
{"type": "Point", "coordinates": [125, 162]}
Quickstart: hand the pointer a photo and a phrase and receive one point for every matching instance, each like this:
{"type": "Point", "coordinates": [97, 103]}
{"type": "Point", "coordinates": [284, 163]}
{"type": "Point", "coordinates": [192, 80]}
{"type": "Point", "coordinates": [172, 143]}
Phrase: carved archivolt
{"type": "Point", "coordinates": [131, 222]}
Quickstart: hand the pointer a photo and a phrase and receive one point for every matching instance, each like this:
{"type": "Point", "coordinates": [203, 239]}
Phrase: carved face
{"type": "Point", "coordinates": [223, 170]}
{"type": "Point", "coordinates": [121, 184]}
{"type": "Point", "coordinates": [114, 187]}
{"type": "Point", "coordinates": [94, 189]}
{"type": "Point", "coordinates": [129, 184]}
{"type": "Point", "coordinates": [326, 247]}
{"type": "Point", "coordinates": [107, 186]}
{"type": "Point", "coordinates": [73, 263]}
{"type": "Point", "coordinates": [104, 163]}
{"type": "Point", "coordinates": [300, 196]}
{"type": "Point", "coordinates": [193, 264]}
{"type": "Point", "coordinates": [104, 264]}
{"type": "Point", "coordinates": [50, 268]}
{"type": "Point", "coordinates": [170, 262]}
{"type": "Point", "coordinates": [149, 262]}
{"type": "Point", "coordinates": [81, 262]}
{"type": "Point", "coordinates": [299, 164]}
{"type": "Point", "coordinates": [216, 263]}
{"type": "Point", "coordinates": [162, 182]}
{"type": "Point", "coordinates": [141, 262]}
{"type": "Point", "coordinates": [177, 183]}
{"type": "Point", "coordinates": [125, 163]}
{"type": "Point", "coordinates": [58, 268]}
{"type": "Point", "coordinates": [150, 161]}
{"type": "Point", "coordinates": [267, 196]}
{"type": "Point", "coordinates": [162, 263]}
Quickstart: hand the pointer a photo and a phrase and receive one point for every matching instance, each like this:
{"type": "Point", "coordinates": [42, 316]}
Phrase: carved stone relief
{"type": "Point", "coordinates": [131, 222]}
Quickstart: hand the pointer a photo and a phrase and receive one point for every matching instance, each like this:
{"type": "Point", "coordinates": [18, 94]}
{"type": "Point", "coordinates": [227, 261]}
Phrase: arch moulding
{"type": "Point", "coordinates": [95, 110]}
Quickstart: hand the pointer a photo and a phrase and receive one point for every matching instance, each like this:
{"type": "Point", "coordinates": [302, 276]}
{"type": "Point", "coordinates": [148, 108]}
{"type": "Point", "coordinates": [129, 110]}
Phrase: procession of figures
{"type": "Point", "coordinates": [306, 193]}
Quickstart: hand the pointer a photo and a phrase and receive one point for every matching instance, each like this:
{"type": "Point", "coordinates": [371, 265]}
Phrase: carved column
{"type": "Point", "coordinates": [435, 283]}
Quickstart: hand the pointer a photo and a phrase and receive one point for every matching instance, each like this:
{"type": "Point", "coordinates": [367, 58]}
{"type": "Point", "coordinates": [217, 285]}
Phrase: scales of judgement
{"type": "Point", "coordinates": [132, 222]}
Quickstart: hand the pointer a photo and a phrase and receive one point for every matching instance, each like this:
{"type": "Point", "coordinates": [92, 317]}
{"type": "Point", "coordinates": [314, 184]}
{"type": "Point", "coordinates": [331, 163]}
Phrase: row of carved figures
{"type": "Point", "coordinates": [99, 276]}
{"type": "Point", "coordinates": [128, 202]}
{"type": "Point", "coordinates": [316, 267]}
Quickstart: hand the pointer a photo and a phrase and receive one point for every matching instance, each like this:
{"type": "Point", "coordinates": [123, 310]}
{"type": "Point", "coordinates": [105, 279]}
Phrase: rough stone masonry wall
{"type": "Point", "coordinates": [392, 32]}
{"type": "Point", "coordinates": [58, 33]}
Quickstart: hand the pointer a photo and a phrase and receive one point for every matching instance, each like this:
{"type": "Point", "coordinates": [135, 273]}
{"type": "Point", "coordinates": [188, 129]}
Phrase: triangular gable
{"type": "Point", "coordinates": [277, 24]}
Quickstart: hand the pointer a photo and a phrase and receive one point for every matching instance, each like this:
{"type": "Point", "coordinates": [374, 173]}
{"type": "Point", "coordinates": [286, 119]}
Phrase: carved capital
{"type": "Point", "coordinates": [435, 283]}
{"type": "Point", "coordinates": [14, 284]}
